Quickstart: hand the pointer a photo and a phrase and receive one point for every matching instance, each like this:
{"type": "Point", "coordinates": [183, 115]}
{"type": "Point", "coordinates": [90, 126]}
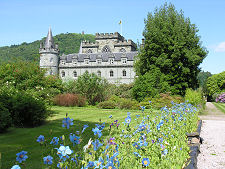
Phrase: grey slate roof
{"type": "Point", "coordinates": [104, 56]}
{"type": "Point", "coordinates": [49, 42]}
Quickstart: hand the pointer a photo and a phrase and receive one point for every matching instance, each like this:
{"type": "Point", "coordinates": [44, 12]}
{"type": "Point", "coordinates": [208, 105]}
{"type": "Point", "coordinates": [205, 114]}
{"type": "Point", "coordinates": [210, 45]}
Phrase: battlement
{"type": "Point", "coordinates": [128, 42]}
{"type": "Point", "coordinates": [48, 50]}
{"type": "Point", "coordinates": [88, 44]}
{"type": "Point", "coordinates": [116, 35]}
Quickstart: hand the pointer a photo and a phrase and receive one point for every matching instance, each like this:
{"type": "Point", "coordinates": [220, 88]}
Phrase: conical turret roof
{"type": "Point", "coordinates": [49, 42]}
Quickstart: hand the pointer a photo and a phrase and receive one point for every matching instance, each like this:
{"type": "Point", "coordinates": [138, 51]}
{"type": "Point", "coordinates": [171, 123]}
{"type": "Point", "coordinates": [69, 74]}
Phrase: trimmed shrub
{"type": "Point", "coordinates": [69, 99]}
{"type": "Point", "coordinates": [194, 97]}
{"type": "Point", "coordinates": [27, 111]}
{"type": "Point", "coordinates": [5, 118]}
{"type": "Point", "coordinates": [165, 99]}
{"type": "Point", "coordinates": [109, 104]}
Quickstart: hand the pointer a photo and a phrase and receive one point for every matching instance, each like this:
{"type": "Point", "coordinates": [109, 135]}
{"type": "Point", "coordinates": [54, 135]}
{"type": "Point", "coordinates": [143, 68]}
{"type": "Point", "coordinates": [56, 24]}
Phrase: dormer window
{"type": "Point", "coordinates": [111, 61]}
{"type": "Point", "coordinates": [99, 61]}
{"type": "Point", "coordinates": [86, 61]}
{"type": "Point", "coordinates": [106, 49]}
{"type": "Point", "coordinates": [124, 61]}
{"type": "Point", "coordinates": [63, 62]}
{"type": "Point", "coordinates": [74, 62]}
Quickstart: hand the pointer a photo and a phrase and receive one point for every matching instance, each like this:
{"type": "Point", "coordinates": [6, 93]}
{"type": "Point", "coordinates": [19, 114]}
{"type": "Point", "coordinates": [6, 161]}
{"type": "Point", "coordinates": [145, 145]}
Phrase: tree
{"type": "Point", "coordinates": [202, 79]}
{"type": "Point", "coordinates": [173, 47]}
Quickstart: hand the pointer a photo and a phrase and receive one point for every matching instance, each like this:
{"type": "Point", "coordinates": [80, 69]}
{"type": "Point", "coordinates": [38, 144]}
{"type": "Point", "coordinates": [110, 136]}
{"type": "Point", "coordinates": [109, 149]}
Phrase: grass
{"type": "Point", "coordinates": [220, 106]}
{"type": "Point", "coordinates": [18, 139]}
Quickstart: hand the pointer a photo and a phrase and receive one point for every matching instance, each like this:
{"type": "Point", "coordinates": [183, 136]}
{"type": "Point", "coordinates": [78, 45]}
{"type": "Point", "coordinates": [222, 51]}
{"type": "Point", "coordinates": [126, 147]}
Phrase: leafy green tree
{"type": "Point", "coordinates": [173, 47]}
{"type": "Point", "coordinates": [202, 79]}
{"type": "Point", "coordinates": [92, 87]}
{"type": "Point", "coordinates": [216, 84]}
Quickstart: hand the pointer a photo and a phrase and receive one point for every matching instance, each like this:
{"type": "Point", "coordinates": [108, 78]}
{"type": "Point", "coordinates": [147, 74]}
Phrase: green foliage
{"type": "Point", "coordinates": [202, 79]}
{"type": "Point", "coordinates": [92, 87]}
{"type": "Point", "coordinates": [172, 48]}
{"type": "Point", "coordinates": [69, 99]}
{"type": "Point", "coordinates": [165, 99]}
{"type": "Point", "coordinates": [127, 104]}
{"type": "Point", "coordinates": [5, 118]}
{"type": "Point", "coordinates": [195, 97]}
{"type": "Point", "coordinates": [68, 43]}
{"type": "Point", "coordinates": [150, 84]}
{"type": "Point", "coordinates": [216, 84]}
{"type": "Point", "coordinates": [109, 104]}
{"type": "Point", "coordinates": [27, 111]}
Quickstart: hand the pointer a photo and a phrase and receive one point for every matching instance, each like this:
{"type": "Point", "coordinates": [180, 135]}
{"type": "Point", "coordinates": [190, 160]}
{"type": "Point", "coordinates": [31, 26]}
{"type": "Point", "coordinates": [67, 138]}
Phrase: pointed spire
{"type": "Point", "coordinates": [80, 51]}
{"type": "Point", "coordinates": [49, 42]}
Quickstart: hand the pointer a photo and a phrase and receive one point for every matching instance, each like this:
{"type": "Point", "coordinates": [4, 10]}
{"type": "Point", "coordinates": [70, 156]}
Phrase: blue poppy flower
{"type": "Point", "coordinates": [110, 165]}
{"type": "Point", "coordinates": [21, 156]}
{"type": "Point", "coordinates": [48, 160]}
{"type": "Point", "coordinates": [55, 141]}
{"type": "Point", "coordinates": [63, 152]}
{"type": "Point", "coordinates": [41, 139]}
{"type": "Point", "coordinates": [99, 163]}
{"type": "Point", "coordinates": [137, 154]}
{"type": "Point", "coordinates": [145, 162]}
{"type": "Point", "coordinates": [67, 122]}
{"type": "Point", "coordinates": [110, 116]}
{"type": "Point", "coordinates": [84, 127]}
{"type": "Point", "coordinates": [97, 144]}
{"type": "Point", "coordinates": [74, 139]}
{"type": "Point", "coordinates": [16, 167]}
{"type": "Point", "coordinates": [97, 131]}
{"type": "Point", "coordinates": [100, 126]}
{"type": "Point", "coordinates": [128, 120]}
{"type": "Point", "coordinates": [136, 146]}
{"type": "Point", "coordinates": [90, 164]}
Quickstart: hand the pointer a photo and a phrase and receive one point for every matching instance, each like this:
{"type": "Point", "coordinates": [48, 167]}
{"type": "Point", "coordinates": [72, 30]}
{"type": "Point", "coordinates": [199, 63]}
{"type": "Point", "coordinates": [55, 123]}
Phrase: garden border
{"type": "Point", "coordinates": [194, 141]}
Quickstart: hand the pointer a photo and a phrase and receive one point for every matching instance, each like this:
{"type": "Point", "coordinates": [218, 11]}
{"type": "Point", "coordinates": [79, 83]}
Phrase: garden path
{"type": "Point", "coordinates": [213, 133]}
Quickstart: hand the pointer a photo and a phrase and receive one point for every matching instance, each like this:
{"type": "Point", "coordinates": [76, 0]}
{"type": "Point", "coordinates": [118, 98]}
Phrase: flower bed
{"type": "Point", "coordinates": [146, 141]}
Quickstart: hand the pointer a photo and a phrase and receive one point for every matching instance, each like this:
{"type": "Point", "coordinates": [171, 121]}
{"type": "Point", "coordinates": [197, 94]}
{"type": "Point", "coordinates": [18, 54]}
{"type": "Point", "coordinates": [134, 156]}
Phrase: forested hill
{"type": "Point", "coordinates": [68, 43]}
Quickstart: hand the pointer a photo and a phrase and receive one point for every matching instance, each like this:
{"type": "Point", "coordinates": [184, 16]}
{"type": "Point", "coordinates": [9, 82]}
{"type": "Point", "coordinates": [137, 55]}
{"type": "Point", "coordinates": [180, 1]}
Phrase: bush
{"type": "Point", "coordinates": [221, 98]}
{"type": "Point", "coordinates": [69, 99]}
{"type": "Point", "coordinates": [195, 97]}
{"type": "Point", "coordinates": [127, 104]}
{"type": "Point", "coordinates": [165, 99]}
{"type": "Point", "coordinates": [109, 104]}
{"type": "Point", "coordinates": [5, 118]}
{"type": "Point", "coordinates": [27, 111]}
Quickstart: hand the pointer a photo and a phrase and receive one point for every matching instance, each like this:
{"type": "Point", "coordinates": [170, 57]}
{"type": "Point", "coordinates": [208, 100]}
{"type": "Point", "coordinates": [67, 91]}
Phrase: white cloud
{"type": "Point", "coordinates": [220, 47]}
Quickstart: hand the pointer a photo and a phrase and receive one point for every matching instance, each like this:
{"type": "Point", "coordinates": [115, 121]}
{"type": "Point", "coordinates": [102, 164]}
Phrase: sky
{"type": "Point", "coordinates": [29, 20]}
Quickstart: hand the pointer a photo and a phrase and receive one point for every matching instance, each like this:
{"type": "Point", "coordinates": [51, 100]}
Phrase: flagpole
{"type": "Point", "coordinates": [121, 28]}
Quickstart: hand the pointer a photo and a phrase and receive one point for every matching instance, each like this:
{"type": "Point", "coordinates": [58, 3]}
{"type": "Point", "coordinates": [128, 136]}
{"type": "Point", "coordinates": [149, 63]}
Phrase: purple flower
{"type": "Point", "coordinates": [21, 156]}
{"type": "Point", "coordinates": [111, 142]}
{"type": "Point", "coordinates": [67, 122]}
{"type": "Point", "coordinates": [48, 160]}
{"type": "Point", "coordinates": [41, 139]}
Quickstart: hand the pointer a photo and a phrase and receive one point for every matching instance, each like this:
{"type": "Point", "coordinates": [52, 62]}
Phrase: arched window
{"type": "Point", "coordinates": [106, 49]}
{"type": "Point", "coordinates": [99, 73]}
{"type": "Point", "coordinates": [74, 74]}
{"type": "Point", "coordinates": [63, 74]}
{"type": "Point", "coordinates": [122, 50]}
{"type": "Point", "coordinates": [51, 60]}
{"type": "Point", "coordinates": [124, 73]}
{"type": "Point", "coordinates": [111, 73]}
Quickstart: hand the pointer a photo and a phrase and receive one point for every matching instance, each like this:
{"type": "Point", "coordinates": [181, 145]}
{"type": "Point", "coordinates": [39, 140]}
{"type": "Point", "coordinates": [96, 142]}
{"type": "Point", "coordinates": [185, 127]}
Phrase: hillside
{"type": "Point", "coordinates": [68, 43]}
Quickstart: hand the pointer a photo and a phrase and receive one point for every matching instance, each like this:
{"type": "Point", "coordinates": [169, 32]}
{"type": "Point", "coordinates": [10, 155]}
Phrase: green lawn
{"type": "Point", "coordinates": [18, 139]}
{"type": "Point", "coordinates": [220, 106]}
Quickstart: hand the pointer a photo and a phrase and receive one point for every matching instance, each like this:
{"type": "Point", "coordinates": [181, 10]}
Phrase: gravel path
{"type": "Point", "coordinates": [212, 150]}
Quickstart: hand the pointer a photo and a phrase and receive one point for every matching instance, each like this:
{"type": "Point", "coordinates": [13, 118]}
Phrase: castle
{"type": "Point", "coordinates": [110, 57]}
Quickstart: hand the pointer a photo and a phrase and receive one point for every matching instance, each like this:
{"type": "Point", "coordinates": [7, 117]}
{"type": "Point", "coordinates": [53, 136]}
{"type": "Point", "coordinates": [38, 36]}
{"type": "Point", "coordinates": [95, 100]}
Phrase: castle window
{"type": "Point", "coordinates": [63, 62]}
{"type": "Point", "coordinates": [111, 61]}
{"type": "Point", "coordinates": [111, 73]}
{"type": "Point", "coordinates": [74, 62]}
{"type": "Point", "coordinates": [124, 73]}
{"type": "Point", "coordinates": [106, 49]}
{"type": "Point", "coordinates": [124, 61]}
{"type": "Point", "coordinates": [74, 74]}
{"type": "Point", "coordinates": [89, 51]}
{"type": "Point", "coordinates": [51, 60]}
{"type": "Point", "coordinates": [86, 61]}
{"type": "Point", "coordinates": [99, 61]}
{"type": "Point", "coordinates": [99, 73]}
{"type": "Point", "coordinates": [122, 50]}
{"type": "Point", "coordinates": [63, 74]}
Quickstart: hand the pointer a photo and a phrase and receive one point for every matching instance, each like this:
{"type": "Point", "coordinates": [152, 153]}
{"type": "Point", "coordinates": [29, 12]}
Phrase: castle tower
{"type": "Point", "coordinates": [49, 55]}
